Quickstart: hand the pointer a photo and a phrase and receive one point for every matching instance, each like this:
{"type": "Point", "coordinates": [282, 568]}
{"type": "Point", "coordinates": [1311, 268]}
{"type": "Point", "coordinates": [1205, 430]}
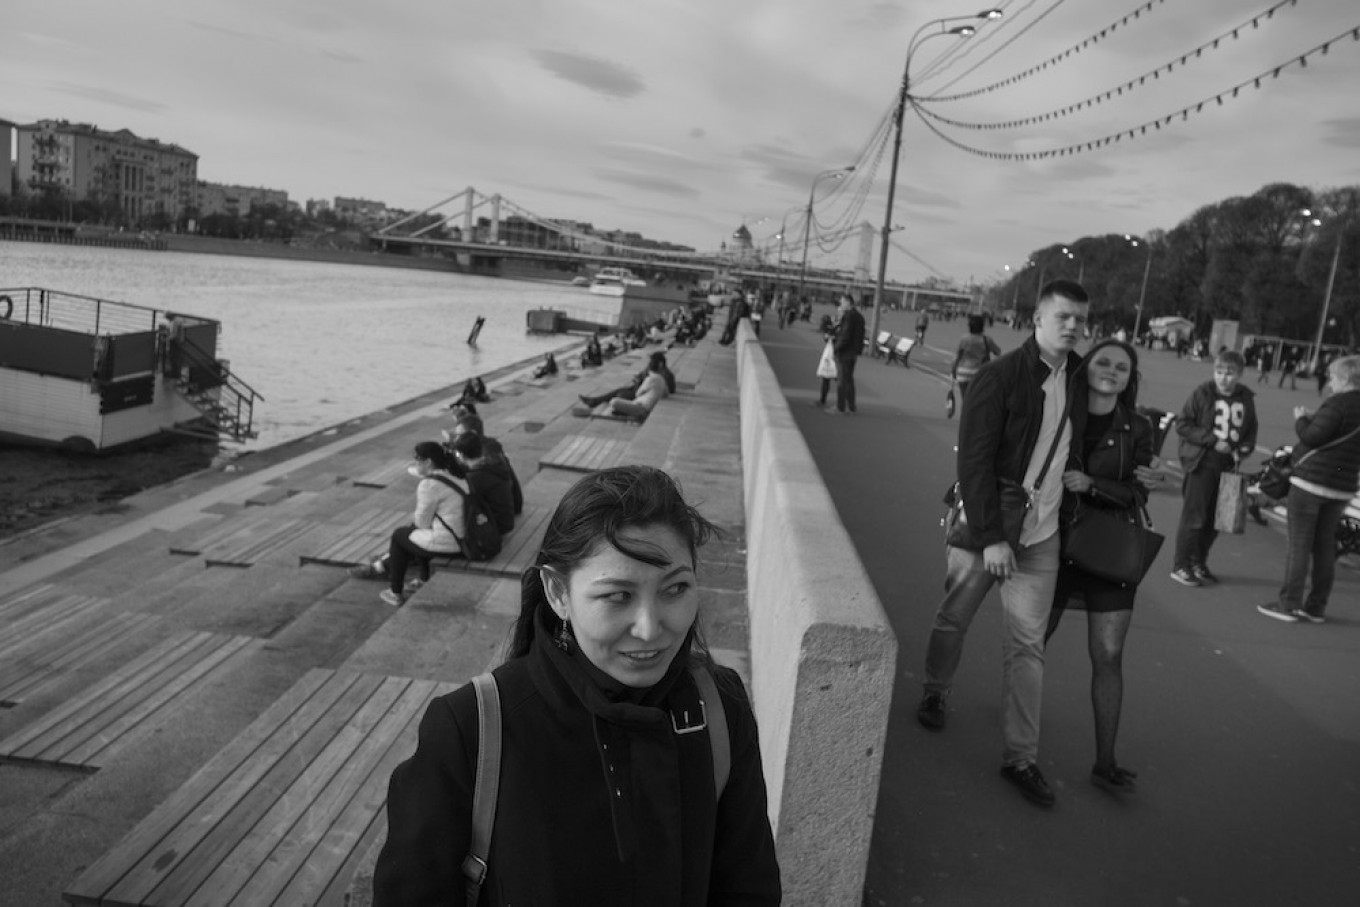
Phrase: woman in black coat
{"type": "Point", "coordinates": [1115, 442]}
{"type": "Point", "coordinates": [607, 794]}
{"type": "Point", "coordinates": [1325, 478]}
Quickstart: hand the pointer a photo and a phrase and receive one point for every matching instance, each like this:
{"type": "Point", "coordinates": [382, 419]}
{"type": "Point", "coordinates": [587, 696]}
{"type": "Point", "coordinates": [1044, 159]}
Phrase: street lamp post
{"type": "Point", "coordinates": [962, 31]}
{"type": "Point", "coordinates": [1142, 294]}
{"type": "Point", "coordinates": [837, 173]}
{"type": "Point", "coordinates": [1327, 296]}
{"type": "Point", "coordinates": [1081, 265]}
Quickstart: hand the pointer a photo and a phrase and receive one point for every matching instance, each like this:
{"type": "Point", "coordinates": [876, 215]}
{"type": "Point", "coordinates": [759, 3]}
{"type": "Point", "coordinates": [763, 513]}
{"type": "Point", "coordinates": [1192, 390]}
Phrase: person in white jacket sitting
{"type": "Point", "coordinates": [438, 514]}
{"type": "Point", "coordinates": [649, 393]}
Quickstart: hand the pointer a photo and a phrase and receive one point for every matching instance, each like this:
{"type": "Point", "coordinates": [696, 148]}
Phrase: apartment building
{"type": "Point", "coordinates": [143, 177]}
{"type": "Point", "coordinates": [237, 201]}
{"type": "Point", "coordinates": [360, 210]}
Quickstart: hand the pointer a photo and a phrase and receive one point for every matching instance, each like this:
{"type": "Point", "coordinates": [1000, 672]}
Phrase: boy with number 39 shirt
{"type": "Point", "coordinates": [1217, 427]}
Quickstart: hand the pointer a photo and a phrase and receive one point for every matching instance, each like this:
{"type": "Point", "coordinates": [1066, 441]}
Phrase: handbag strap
{"type": "Point", "coordinates": [1057, 437]}
{"type": "Point", "coordinates": [487, 785]}
{"type": "Point", "coordinates": [1332, 443]}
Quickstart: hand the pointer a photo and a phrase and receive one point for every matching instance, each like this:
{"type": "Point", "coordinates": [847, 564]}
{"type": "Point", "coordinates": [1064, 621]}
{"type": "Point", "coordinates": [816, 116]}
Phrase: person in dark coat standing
{"type": "Point", "coordinates": [1325, 478]}
{"type": "Point", "coordinates": [848, 345]}
{"type": "Point", "coordinates": [608, 793]}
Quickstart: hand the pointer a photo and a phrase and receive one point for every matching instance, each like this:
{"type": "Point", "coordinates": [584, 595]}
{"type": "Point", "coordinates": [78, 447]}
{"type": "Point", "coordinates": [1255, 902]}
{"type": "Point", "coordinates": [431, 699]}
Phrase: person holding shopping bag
{"type": "Point", "coordinates": [826, 369]}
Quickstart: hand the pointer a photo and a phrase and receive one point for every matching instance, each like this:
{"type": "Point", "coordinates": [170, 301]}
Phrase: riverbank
{"type": "Point", "coordinates": [38, 485]}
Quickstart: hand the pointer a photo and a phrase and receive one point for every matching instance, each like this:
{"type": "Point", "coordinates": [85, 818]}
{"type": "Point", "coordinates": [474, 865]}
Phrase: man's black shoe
{"type": "Point", "coordinates": [1031, 782]}
{"type": "Point", "coordinates": [931, 712]}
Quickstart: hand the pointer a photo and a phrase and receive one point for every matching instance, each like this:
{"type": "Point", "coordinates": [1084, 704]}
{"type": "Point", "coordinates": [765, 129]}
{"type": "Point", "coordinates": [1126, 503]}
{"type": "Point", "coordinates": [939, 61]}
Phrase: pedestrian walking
{"type": "Point", "coordinates": [922, 322]}
{"type": "Point", "coordinates": [849, 343]}
{"type": "Point", "coordinates": [975, 350]}
{"type": "Point", "coordinates": [1289, 368]}
{"type": "Point", "coordinates": [614, 787]}
{"type": "Point", "coordinates": [1217, 427]}
{"type": "Point", "coordinates": [1320, 372]}
{"type": "Point", "coordinates": [1024, 410]}
{"type": "Point", "coordinates": [1326, 477]}
{"type": "Point", "coordinates": [1117, 440]}
{"type": "Point", "coordinates": [1263, 365]}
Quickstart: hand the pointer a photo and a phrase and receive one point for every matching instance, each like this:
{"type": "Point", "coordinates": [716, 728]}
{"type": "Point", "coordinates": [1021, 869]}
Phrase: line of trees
{"type": "Point", "coordinates": [1259, 260]}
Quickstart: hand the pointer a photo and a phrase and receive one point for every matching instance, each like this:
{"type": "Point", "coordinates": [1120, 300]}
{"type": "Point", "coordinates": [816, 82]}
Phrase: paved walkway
{"type": "Point", "coordinates": [1245, 732]}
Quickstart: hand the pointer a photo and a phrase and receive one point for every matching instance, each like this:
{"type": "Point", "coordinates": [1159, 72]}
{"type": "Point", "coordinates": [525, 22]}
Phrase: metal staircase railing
{"type": "Point", "coordinates": [226, 402]}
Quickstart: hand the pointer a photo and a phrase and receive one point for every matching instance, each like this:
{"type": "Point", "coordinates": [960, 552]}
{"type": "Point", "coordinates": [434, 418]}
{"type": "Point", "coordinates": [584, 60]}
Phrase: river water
{"type": "Point", "coordinates": [323, 343]}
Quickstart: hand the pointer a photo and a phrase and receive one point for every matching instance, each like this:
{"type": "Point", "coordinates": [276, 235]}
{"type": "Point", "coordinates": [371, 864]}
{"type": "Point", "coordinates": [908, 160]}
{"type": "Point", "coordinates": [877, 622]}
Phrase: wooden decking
{"type": "Point", "coordinates": [584, 453]}
{"type": "Point", "coordinates": [278, 816]}
{"type": "Point", "coordinates": [27, 674]}
{"type": "Point", "coordinates": [96, 724]}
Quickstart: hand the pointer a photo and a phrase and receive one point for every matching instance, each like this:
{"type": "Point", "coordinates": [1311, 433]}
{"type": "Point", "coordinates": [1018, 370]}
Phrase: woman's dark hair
{"type": "Point", "coordinates": [469, 444]}
{"type": "Point", "coordinates": [470, 422]}
{"type": "Point", "coordinates": [435, 453]}
{"type": "Point", "coordinates": [976, 323]}
{"type": "Point", "coordinates": [592, 514]}
{"type": "Point", "coordinates": [1129, 395]}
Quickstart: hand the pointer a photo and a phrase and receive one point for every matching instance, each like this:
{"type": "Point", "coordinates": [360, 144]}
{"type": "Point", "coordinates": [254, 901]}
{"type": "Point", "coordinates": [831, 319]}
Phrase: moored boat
{"type": "Point", "coordinates": [92, 374]}
{"type": "Point", "coordinates": [613, 281]}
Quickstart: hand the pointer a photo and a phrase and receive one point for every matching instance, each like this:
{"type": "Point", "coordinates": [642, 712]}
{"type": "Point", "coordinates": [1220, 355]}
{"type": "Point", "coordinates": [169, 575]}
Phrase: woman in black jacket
{"type": "Point", "coordinates": [1325, 479]}
{"type": "Point", "coordinates": [609, 791]}
{"type": "Point", "coordinates": [1116, 441]}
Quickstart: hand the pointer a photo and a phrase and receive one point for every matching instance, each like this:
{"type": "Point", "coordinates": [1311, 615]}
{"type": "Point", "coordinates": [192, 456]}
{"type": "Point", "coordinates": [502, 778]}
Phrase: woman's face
{"type": "Point", "coordinates": [1109, 371]}
{"type": "Point", "coordinates": [423, 467]}
{"type": "Point", "coordinates": [630, 618]}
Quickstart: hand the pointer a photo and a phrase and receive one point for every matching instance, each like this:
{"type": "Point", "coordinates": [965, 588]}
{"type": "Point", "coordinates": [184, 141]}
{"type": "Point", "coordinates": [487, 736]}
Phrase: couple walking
{"type": "Point", "coordinates": [1037, 407]}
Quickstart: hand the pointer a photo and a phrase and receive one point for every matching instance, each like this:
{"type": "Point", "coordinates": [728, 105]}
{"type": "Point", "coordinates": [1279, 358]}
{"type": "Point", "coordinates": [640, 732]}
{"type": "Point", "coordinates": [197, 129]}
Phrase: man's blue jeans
{"type": "Point", "coordinates": [1312, 535]}
{"type": "Point", "coordinates": [1026, 600]}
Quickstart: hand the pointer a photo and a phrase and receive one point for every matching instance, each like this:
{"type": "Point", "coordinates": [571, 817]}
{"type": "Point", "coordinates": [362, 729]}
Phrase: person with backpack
{"type": "Point", "coordinates": [490, 478]}
{"type": "Point", "coordinates": [439, 507]}
{"type": "Point", "coordinates": [976, 349]}
{"type": "Point", "coordinates": [628, 765]}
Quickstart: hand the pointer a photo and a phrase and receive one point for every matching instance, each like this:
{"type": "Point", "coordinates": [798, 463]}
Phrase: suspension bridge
{"type": "Point", "coordinates": [484, 231]}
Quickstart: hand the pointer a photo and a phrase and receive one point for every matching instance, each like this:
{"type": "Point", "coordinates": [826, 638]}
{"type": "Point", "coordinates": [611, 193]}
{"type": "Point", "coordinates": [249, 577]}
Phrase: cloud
{"type": "Point", "coordinates": [105, 96]}
{"type": "Point", "coordinates": [600, 76]}
{"type": "Point", "coordinates": [697, 133]}
{"type": "Point", "coordinates": [1344, 133]}
{"type": "Point", "coordinates": [649, 182]}
{"type": "Point", "coordinates": [341, 56]}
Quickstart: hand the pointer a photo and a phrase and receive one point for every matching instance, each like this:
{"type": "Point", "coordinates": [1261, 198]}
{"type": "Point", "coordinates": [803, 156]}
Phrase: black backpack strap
{"type": "Point", "coordinates": [488, 783]}
{"type": "Point", "coordinates": [461, 493]}
{"type": "Point", "coordinates": [718, 739]}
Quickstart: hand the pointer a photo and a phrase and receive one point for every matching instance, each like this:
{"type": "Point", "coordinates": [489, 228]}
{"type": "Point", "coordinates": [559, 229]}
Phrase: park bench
{"type": "Point", "coordinates": [91, 727]}
{"type": "Point", "coordinates": [284, 812]}
{"type": "Point", "coordinates": [882, 344]}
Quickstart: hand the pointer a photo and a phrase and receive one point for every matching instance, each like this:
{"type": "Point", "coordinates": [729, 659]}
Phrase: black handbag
{"type": "Point", "coordinates": [1112, 545]}
{"type": "Point", "coordinates": [1274, 481]}
{"type": "Point", "coordinates": [1015, 503]}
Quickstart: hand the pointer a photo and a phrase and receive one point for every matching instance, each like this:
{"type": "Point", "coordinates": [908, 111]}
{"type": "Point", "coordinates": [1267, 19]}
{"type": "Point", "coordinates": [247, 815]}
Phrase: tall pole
{"type": "Point", "coordinates": [1326, 304]}
{"type": "Point", "coordinates": [1142, 295]}
{"type": "Point", "coordinates": [962, 31]}
{"type": "Point", "coordinates": [807, 223]}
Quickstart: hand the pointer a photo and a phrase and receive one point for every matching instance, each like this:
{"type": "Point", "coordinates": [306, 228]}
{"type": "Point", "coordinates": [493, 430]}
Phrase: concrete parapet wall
{"type": "Point", "coordinates": [823, 656]}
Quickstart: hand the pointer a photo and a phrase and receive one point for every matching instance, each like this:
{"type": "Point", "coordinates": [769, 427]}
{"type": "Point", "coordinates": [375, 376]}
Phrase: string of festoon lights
{"type": "Point", "coordinates": [1124, 88]}
{"type": "Point", "coordinates": [1090, 41]}
{"type": "Point", "coordinates": [1140, 130]}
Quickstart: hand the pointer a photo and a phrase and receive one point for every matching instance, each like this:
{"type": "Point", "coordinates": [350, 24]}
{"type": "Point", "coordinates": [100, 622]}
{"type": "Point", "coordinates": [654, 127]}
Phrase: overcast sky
{"type": "Point", "coordinates": [682, 119]}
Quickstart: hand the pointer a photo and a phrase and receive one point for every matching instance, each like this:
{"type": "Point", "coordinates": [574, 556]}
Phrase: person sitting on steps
{"type": "Point", "coordinates": [629, 392]}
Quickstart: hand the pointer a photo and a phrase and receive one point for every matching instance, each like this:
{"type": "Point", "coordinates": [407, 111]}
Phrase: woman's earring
{"type": "Point", "coordinates": [562, 638]}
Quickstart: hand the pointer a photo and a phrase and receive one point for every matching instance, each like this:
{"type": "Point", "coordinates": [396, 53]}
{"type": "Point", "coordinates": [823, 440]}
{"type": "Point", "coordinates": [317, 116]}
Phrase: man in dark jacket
{"type": "Point", "coordinates": [491, 478]}
{"type": "Point", "coordinates": [849, 343]}
{"type": "Point", "coordinates": [1020, 406]}
{"type": "Point", "coordinates": [492, 451]}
